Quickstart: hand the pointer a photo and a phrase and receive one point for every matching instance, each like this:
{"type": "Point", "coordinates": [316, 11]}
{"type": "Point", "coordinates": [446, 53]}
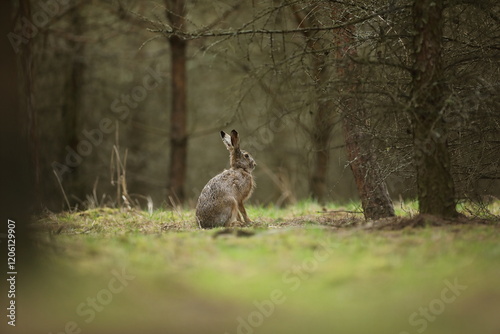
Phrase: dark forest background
{"type": "Point", "coordinates": [123, 101]}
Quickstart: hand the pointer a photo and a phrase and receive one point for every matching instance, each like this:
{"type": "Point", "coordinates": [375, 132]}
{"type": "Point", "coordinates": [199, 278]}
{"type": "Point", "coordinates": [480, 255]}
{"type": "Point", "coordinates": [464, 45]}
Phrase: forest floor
{"type": "Point", "coordinates": [303, 269]}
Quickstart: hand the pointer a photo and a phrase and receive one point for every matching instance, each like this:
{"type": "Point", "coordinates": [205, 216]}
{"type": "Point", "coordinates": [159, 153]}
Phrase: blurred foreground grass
{"type": "Point", "coordinates": [304, 269]}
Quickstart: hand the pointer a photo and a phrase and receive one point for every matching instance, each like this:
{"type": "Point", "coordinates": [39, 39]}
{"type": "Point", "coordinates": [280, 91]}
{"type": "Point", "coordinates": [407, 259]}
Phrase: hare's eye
{"type": "Point", "coordinates": [246, 155]}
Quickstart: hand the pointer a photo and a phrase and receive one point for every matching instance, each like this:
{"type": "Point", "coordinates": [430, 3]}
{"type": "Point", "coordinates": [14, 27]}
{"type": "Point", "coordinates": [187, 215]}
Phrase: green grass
{"type": "Point", "coordinates": [299, 272]}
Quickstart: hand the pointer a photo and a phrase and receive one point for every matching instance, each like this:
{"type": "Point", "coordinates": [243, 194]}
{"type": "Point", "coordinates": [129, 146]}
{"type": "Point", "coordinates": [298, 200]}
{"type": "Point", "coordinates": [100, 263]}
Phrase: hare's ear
{"type": "Point", "coordinates": [235, 140]}
{"type": "Point", "coordinates": [226, 139]}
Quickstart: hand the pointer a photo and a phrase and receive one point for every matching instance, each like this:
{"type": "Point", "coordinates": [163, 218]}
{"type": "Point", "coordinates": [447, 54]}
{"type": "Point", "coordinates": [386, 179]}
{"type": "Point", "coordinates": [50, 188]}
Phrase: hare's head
{"type": "Point", "coordinates": [238, 158]}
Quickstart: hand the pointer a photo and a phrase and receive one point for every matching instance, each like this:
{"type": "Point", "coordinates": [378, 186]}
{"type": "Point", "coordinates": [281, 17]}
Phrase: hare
{"type": "Point", "coordinates": [221, 200]}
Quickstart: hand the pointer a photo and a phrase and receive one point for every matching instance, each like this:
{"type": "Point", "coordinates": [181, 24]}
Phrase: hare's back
{"type": "Point", "coordinates": [229, 183]}
{"type": "Point", "coordinates": [218, 185]}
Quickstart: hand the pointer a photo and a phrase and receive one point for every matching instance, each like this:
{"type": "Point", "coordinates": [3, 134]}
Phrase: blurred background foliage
{"type": "Point", "coordinates": [253, 66]}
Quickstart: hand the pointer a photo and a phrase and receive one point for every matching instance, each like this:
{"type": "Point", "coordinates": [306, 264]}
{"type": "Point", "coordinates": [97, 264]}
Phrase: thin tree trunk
{"type": "Point", "coordinates": [178, 116]}
{"type": "Point", "coordinates": [371, 186]}
{"type": "Point", "coordinates": [321, 133]}
{"type": "Point", "coordinates": [72, 100]}
{"type": "Point", "coordinates": [321, 142]}
{"type": "Point", "coordinates": [436, 191]}
{"type": "Point", "coordinates": [324, 118]}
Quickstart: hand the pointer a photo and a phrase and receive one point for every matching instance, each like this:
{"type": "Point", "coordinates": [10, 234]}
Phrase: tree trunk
{"type": "Point", "coordinates": [17, 195]}
{"type": "Point", "coordinates": [72, 100]}
{"type": "Point", "coordinates": [178, 116]}
{"type": "Point", "coordinates": [371, 186]}
{"type": "Point", "coordinates": [436, 192]}
{"type": "Point", "coordinates": [26, 79]}
{"type": "Point", "coordinates": [321, 133]}
{"type": "Point", "coordinates": [324, 118]}
{"type": "Point", "coordinates": [372, 189]}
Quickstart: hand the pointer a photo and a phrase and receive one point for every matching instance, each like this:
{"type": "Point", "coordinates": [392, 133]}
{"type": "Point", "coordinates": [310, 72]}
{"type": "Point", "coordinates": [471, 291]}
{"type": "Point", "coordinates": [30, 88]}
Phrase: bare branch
{"type": "Point", "coordinates": [169, 31]}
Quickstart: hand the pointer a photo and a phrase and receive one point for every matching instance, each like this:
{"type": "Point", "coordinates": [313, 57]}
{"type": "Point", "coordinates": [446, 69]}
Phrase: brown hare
{"type": "Point", "coordinates": [221, 200]}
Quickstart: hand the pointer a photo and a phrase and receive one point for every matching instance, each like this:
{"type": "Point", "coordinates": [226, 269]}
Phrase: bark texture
{"type": "Point", "coordinates": [370, 183]}
{"type": "Point", "coordinates": [436, 191]}
{"type": "Point", "coordinates": [176, 13]}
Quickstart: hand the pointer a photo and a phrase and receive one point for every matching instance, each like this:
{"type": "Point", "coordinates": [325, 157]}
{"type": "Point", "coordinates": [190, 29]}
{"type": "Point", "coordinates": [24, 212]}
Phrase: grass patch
{"type": "Point", "coordinates": [307, 268]}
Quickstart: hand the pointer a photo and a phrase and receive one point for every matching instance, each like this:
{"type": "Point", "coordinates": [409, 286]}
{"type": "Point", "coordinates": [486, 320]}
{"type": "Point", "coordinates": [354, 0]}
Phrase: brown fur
{"type": "Point", "coordinates": [221, 200]}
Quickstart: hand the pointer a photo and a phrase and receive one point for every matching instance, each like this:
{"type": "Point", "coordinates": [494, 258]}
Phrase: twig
{"type": "Point", "coordinates": [148, 40]}
{"type": "Point", "coordinates": [282, 183]}
{"type": "Point", "coordinates": [62, 189]}
{"type": "Point", "coordinates": [175, 206]}
{"type": "Point", "coordinates": [94, 192]}
{"type": "Point", "coordinates": [339, 211]}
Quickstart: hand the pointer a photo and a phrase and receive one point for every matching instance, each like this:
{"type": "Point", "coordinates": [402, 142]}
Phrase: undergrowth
{"type": "Point", "coordinates": [305, 213]}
